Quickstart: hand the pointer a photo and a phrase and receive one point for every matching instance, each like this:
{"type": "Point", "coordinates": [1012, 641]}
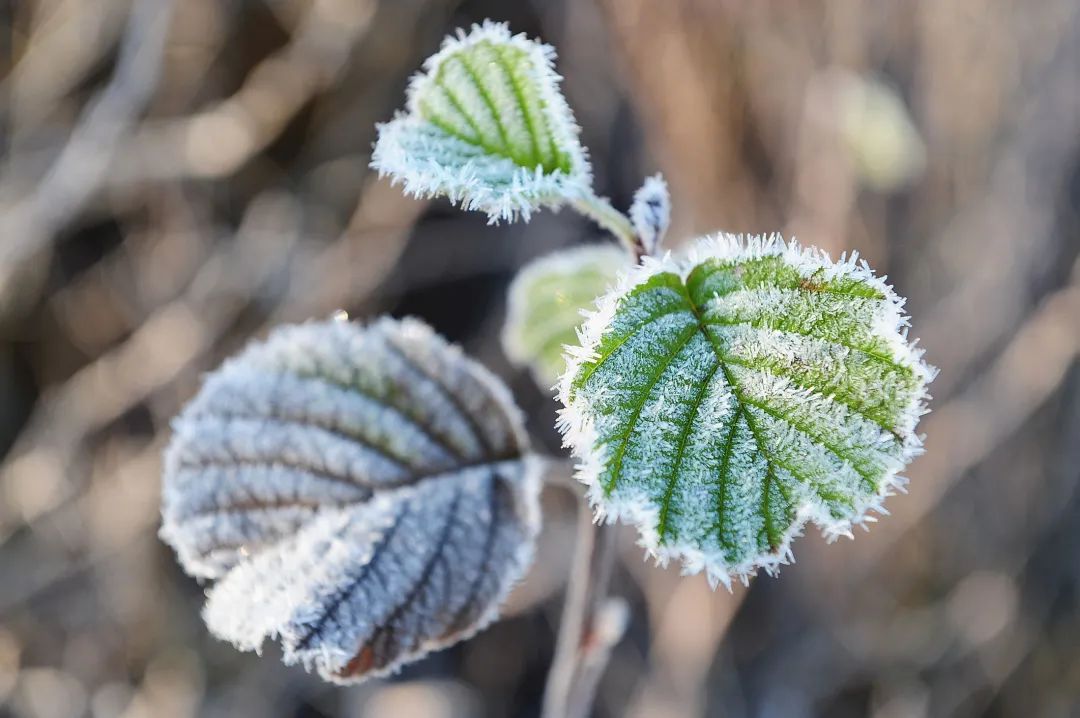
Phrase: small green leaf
{"type": "Point", "coordinates": [487, 126]}
{"type": "Point", "coordinates": [721, 400]}
{"type": "Point", "coordinates": [546, 302]}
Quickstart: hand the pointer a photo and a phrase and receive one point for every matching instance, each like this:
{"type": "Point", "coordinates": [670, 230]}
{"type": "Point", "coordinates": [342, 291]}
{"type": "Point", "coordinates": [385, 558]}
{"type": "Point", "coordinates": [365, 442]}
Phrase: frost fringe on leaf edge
{"type": "Point", "coordinates": [529, 483]}
{"type": "Point", "coordinates": [528, 187]}
{"type": "Point", "coordinates": [526, 500]}
{"type": "Point", "coordinates": [580, 436]}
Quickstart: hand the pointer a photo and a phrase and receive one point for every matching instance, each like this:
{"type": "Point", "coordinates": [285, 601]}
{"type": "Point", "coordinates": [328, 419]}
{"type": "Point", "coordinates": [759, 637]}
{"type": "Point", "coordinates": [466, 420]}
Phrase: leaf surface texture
{"type": "Point", "coordinates": [364, 494]}
{"type": "Point", "coordinates": [722, 399]}
{"type": "Point", "coordinates": [487, 126]}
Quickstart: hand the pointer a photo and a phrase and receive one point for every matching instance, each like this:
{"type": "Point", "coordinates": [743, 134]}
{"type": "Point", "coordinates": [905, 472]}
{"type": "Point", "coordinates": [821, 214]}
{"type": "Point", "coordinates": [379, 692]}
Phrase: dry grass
{"type": "Point", "coordinates": [178, 176]}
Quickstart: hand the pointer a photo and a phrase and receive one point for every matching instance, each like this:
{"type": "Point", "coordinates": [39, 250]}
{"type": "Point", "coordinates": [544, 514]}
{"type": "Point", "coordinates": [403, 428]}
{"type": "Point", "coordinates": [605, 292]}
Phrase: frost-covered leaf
{"type": "Point", "coordinates": [364, 494]}
{"type": "Point", "coordinates": [721, 400]}
{"type": "Point", "coordinates": [651, 212]}
{"type": "Point", "coordinates": [487, 126]}
{"type": "Point", "coordinates": [546, 302]}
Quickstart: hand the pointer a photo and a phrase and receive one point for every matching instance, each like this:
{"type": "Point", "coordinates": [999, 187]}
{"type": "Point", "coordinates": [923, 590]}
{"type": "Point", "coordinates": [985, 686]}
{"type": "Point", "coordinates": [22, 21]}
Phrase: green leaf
{"type": "Point", "coordinates": [487, 126]}
{"type": "Point", "coordinates": [546, 301]}
{"type": "Point", "coordinates": [721, 400]}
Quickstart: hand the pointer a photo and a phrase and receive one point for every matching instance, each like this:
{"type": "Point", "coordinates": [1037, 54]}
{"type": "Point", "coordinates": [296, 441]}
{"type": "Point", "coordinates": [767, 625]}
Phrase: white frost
{"type": "Point", "coordinates": [291, 472]}
{"type": "Point", "coordinates": [835, 450]}
{"type": "Point", "coordinates": [430, 162]}
{"type": "Point", "coordinates": [651, 212]}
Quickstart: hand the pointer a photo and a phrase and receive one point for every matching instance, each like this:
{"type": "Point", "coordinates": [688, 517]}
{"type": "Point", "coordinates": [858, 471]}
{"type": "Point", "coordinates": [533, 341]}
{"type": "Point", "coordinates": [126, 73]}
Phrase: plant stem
{"type": "Point", "coordinates": [591, 623]}
{"type": "Point", "coordinates": [599, 210]}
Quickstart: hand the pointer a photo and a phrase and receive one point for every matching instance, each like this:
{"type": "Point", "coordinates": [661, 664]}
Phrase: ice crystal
{"type": "Point", "coordinates": [487, 126]}
{"type": "Point", "coordinates": [651, 212]}
{"type": "Point", "coordinates": [546, 301]}
{"type": "Point", "coordinates": [365, 495]}
{"type": "Point", "coordinates": [721, 399]}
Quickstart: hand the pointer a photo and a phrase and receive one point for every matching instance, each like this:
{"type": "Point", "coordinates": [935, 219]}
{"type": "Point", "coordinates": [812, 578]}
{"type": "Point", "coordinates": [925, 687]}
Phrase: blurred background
{"type": "Point", "coordinates": [179, 175]}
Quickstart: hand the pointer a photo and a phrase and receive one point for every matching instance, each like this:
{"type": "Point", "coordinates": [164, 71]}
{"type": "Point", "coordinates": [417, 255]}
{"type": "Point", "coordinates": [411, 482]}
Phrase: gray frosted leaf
{"type": "Point", "coordinates": [364, 494]}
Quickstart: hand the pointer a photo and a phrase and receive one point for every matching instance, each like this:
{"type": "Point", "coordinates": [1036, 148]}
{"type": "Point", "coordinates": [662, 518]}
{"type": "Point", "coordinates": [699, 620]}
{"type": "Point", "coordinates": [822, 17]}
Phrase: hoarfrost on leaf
{"type": "Point", "coordinates": [365, 495]}
{"type": "Point", "coordinates": [722, 399]}
{"type": "Point", "coordinates": [546, 302]}
{"type": "Point", "coordinates": [651, 212]}
{"type": "Point", "coordinates": [487, 126]}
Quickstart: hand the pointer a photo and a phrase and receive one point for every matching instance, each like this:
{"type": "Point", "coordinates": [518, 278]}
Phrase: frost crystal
{"type": "Point", "coordinates": [722, 399]}
{"type": "Point", "coordinates": [651, 212]}
{"type": "Point", "coordinates": [363, 494]}
{"type": "Point", "coordinates": [486, 125]}
{"type": "Point", "coordinates": [546, 302]}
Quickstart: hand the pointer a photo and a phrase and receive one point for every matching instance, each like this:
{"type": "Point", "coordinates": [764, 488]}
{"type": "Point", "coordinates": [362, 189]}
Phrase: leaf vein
{"type": "Point", "coordinates": [482, 90]}
{"type": "Point", "coordinates": [500, 54]}
{"type": "Point", "coordinates": [840, 398]}
{"type": "Point", "coordinates": [591, 368]}
{"type": "Point", "coordinates": [478, 433]}
{"type": "Point", "coordinates": [759, 324]}
{"type": "Point", "coordinates": [625, 438]}
{"type": "Point", "coordinates": [665, 505]}
{"type": "Point", "coordinates": [344, 592]}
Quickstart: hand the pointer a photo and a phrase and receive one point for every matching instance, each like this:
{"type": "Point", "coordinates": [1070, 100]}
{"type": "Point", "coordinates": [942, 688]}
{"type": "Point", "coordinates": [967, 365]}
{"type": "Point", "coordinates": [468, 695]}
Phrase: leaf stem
{"type": "Point", "coordinates": [592, 623]}
{"type": "Point", "coordinates": [599, 210]}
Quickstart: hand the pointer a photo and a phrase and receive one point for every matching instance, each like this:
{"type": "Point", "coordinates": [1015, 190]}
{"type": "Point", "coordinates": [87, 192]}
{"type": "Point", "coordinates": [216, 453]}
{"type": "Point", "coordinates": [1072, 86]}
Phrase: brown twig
{"type": "Point", "coordinates": [591, 623]}
{"type": "Point", "coordinates": [83, 163]}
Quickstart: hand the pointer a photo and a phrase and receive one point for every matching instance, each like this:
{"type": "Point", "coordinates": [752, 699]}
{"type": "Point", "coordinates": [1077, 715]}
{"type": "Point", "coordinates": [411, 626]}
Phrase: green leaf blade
{"type": "Point", "coordinates": [546, 301]}
{"type": "Point", "coordinates": [722, 400]}
{"type": "Point", "coordinates": [487, 126]}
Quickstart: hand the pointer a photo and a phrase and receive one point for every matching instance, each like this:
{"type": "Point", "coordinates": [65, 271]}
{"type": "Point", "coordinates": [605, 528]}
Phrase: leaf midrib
{"type": "Point", "coordinates": [528, 160]}
{"type": "Point", "coordinates": [466, 63]}
{"type": "Point", "coordinates": [772, 462]}
{"type": "Point", "coordinates": [743, 402]}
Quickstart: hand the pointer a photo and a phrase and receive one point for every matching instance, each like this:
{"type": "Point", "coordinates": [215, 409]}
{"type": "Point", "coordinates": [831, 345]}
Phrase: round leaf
{"type": "Point", "coordinates": [546, 302]}
{"type": "Point", "coordinates": [721, 400]}
{"type": "Point", "coordinates": [364, 494]}
{"type": "Point", "coordinates": [487, 126]}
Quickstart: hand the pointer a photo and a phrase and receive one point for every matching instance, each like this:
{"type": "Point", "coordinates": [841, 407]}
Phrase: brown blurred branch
{"type": "Point", "coordinates": [217, 141]}
{"type": "Point", "coordinates": [965, 430]}
{"type": "Point", "coordinates": [166, 343]}
{"type": "Point", "coordinates": [81, 166]}
{"type": "Point", "coordinates": [591, 623]}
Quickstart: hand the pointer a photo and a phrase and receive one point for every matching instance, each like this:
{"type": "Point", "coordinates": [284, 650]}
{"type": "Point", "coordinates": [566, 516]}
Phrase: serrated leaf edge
{"type": "Point", "coordinates": [529, 187]}
{"type": "Point", "coordinates": [638, 509]}
{"type": "Point", "coordinates": [526, 497]}
{"type": "Point", "coordinates": [530, 483]}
